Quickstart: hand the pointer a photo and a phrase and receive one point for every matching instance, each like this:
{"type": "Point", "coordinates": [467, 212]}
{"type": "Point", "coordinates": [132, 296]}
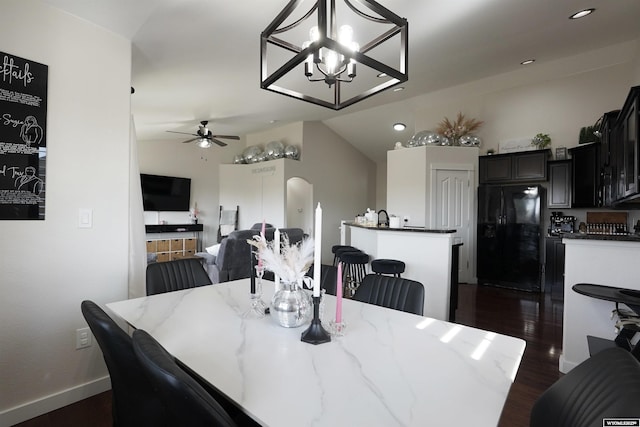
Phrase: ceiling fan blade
{"type": "Point", "coordinates": [190, 140]}
{"type": "Point", "coordinates": [183, 133]}
{"type": "Point", "coordinates": [220, 143]}
{"type": "Point", "coordinates": [237, 138]}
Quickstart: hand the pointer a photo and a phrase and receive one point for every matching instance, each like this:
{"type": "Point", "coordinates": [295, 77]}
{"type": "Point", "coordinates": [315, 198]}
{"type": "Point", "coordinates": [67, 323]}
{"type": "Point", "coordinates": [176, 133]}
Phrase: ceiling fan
{"type": "Point", "coordinates": [205, 137]}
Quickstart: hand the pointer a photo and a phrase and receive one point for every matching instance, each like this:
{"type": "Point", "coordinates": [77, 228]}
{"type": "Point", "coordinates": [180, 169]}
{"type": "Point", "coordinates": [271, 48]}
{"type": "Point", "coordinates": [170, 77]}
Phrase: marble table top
{"type": "Point", "coordinates": [389, 369]}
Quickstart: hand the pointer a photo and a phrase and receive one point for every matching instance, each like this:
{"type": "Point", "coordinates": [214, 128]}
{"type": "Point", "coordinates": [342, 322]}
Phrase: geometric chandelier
{"type": "Point", "coordinates": [320, 55]}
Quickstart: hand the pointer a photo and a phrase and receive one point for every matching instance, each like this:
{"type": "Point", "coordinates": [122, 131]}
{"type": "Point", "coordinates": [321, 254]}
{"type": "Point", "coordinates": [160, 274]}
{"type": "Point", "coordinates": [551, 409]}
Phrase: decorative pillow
{"type": "Point", "coordinates": [213, 250]}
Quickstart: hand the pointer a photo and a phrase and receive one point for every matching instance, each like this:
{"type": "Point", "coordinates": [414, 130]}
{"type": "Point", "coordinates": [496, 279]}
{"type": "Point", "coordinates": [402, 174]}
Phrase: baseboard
{"type": "Point", "coordinates": [52, 402]}
{"type": "Point", "coordinates": [565, 365]}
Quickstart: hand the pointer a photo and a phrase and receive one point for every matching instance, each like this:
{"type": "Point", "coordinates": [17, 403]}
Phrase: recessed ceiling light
{"type": "Point", "coordinates": [399, 126]}
{"type": "Point", "coordinates": [528, 61]}
{"type": "Point", "coordinates": [582, 13]}
{"type": "Point", "coordinates": [381, 75]}
{"type": "Point", "coordinates": [398, 89]}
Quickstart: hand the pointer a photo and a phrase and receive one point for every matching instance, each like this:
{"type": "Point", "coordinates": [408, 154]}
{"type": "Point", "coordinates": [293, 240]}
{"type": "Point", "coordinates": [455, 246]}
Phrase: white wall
{"type": "Point", "coordinates": [48, 267]}
{"type": "Point", "coordinates": [556, 98]}
{"type": "Point", "coordinates": [343, 179]}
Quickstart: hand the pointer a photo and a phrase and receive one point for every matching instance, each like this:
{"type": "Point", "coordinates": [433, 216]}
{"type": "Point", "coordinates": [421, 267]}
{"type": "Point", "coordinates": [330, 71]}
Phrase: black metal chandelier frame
{"type": "Point", "coordinates": [327, 32]}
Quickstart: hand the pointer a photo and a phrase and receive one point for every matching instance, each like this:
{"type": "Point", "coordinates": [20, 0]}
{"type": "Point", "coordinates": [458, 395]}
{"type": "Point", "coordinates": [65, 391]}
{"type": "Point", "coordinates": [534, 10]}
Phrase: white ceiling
{"type": "Point", "coordinates": [198, 60]}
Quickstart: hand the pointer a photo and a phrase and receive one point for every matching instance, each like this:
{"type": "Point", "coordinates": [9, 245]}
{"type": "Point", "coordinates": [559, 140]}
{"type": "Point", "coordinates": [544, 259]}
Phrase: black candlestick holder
{"type": "Point", "coordinates": [315, 333]}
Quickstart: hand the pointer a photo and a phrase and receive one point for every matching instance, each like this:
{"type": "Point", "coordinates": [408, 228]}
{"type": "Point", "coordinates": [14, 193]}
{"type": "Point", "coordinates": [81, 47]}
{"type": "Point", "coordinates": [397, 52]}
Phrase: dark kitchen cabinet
{"type": "Point", "coordinates": [559, 190]}
{"type": "Point", "coordinates": [607, 158]}
{"type": "Point", "coordinates": [628, 132]}
{"type": "Point", "coordinates": [625, 153]}
{"type": "Point", "coordinates": [585, 166]}
{"type": "Point", "coordinates": [554, 268]}
{"type": "Point", "coordinates": [527, 166]}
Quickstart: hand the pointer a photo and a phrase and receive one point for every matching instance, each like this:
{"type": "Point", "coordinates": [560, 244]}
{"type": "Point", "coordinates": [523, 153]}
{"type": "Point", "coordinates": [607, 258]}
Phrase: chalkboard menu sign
{"type": "Point", "coordinates": [23, 137]}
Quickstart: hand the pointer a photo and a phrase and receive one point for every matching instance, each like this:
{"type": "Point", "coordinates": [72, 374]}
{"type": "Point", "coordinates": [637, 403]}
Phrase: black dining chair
{"type": "Point", "coordinates": [391, 292]}
{"type": "Point", "coordinates": [607, 385]}
{"type": "Point", "coordinates": [176, 275]}
{"type": "Point", "coordinates": [134, 401]}
{"type": "Point", "coordinates": [188, 403]}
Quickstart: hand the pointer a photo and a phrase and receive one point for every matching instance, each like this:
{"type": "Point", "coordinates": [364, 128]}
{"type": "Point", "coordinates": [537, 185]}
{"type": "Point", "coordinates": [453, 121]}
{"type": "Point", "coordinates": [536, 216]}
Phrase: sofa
{"type": "Point", "coordinates": [232, 261]}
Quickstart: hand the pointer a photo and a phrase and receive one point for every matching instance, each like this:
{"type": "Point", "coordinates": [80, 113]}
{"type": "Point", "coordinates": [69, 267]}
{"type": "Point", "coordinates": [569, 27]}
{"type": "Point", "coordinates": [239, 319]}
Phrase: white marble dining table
{"type": "Point", "coordinates": [390, 368]}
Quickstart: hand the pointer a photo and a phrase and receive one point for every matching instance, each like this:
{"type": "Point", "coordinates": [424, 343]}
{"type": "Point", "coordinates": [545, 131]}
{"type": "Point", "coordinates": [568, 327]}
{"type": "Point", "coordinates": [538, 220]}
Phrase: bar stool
{"type": "Point", "coordinates": [335, 249]}
{"type": "Point", "coordinates": [354, 264]}
{"type": "Point", "coordinates": [387, 266]}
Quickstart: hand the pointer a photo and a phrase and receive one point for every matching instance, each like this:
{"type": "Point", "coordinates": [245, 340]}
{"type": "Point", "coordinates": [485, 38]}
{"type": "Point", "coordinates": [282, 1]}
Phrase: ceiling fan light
{"type": "Point", "coordinates": [204, 143]}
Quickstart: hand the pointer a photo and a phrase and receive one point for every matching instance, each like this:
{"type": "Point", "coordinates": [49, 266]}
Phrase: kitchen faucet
{"type": "Point", "coordinates": [382, 223]}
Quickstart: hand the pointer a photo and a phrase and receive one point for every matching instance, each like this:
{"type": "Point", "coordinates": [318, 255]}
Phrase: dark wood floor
{"type": "Point", "coordinates": [528, 316]}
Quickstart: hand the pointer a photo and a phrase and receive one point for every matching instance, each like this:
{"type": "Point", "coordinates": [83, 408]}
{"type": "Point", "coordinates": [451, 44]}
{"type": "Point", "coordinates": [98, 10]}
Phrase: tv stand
{"type": "Point", "coordinates": [172, 228]}
{"type": "Point", "coordinates": [175, 246]}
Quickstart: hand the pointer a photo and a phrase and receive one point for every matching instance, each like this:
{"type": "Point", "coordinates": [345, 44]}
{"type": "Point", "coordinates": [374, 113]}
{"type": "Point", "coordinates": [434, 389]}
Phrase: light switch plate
{"type": "Point", "coordinates": [85, 218]}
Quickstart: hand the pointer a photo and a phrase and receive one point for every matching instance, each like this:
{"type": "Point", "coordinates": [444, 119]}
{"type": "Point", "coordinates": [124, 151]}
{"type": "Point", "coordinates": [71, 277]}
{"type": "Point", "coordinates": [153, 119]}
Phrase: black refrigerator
{"type": "Point", "coordinates": [510, 237]}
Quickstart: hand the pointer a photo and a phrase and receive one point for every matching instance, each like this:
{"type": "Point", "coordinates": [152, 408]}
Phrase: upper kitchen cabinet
{"type": "Point", "coordinates": [585, 166]}
{"type": "Point", "coordinates": [625, 156]}
{"type": "Point", "coordinates": [607, 158]}
{"type": "Point", "coordinates": [524, 166]}
{"type": "Point", "coordinates": [559, 184]}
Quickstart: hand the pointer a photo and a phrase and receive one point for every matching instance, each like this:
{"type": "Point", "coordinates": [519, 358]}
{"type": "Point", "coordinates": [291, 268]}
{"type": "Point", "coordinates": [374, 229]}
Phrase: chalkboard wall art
{"type": "Point", "coordinates": [23, 137]}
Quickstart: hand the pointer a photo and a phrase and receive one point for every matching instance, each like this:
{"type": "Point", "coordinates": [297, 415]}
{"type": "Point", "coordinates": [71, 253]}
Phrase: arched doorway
{"type": "Point", "coordinates": [300, 204]}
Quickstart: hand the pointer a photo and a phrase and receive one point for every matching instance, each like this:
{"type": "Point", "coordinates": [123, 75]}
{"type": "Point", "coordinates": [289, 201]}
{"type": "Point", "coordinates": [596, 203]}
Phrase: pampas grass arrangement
{"type": "Point", "coordinates": [289, 262]}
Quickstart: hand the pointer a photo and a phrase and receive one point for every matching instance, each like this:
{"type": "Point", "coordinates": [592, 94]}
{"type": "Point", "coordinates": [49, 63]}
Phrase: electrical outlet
{"type": "Point", "coordinates": [83, 338]}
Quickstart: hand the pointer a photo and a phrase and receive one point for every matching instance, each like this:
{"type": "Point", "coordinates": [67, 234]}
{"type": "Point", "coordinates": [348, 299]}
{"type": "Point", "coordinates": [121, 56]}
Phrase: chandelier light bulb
{"type": "Point", "coordinates": [345, 35]}
{"type": "Point", "coordinates": [314, 34]}
{"type": "Point", "coordinates": [331, 62]}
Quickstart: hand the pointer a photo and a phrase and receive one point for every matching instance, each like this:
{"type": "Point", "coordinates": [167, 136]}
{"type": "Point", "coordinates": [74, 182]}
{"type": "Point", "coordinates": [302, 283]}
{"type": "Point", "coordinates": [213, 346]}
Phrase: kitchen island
{"type": "Point", "coordinates": [427, 254]}
{"type": "Point", "coordinates": [600, 260]}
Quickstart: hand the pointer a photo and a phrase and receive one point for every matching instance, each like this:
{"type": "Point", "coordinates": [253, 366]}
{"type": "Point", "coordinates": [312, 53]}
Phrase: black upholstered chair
{"type": "Point", "coordinates": [328, 277]}
{"type": "Point", "coordinates": [188, 403]}
{"type": "Point", "coordinates": [176, 275]}
{"type": "Point", "coordinates": [134, 401]}
{"type": "Point", "coordinates": [607, 385]}
{"type": "Point", "coordinates": [391, 292]}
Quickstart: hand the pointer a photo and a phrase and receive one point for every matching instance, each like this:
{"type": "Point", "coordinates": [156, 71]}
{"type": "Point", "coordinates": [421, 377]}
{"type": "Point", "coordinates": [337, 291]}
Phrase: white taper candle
{"type": "Point", "coordinates": [317, 252]}
{"type": "Point", "coordinates": [276, 249]}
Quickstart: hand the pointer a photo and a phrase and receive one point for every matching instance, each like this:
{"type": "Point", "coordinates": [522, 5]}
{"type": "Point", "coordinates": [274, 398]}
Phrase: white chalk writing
{"type": "Point", "coordinates": [9, 71]}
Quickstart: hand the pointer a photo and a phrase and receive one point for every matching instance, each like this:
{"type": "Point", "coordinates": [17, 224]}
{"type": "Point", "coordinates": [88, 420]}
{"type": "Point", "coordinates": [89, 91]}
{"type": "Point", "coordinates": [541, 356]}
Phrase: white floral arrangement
{"type": "Point", "coordinates": [289, 262]}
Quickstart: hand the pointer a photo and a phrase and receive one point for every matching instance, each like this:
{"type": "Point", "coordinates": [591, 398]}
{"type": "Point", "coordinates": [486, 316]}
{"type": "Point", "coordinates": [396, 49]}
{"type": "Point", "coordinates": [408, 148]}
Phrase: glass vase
{"type": "Point", "coordinates": [291, 306]}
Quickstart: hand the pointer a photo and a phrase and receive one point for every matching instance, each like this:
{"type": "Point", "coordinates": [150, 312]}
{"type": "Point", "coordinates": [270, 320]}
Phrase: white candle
{"type": "Point", "coordinates": [339, 294]}
{"type": "Point", "coordinates": [261, 235]}
{"type": "Point", "coordinates": [317, 262]}
{"type": "Point", "coordinates": [276, 249]}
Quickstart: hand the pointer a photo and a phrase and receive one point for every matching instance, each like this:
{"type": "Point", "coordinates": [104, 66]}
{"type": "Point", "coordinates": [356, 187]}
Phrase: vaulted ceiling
{"type": "Point", "coordinates": [196, 60]}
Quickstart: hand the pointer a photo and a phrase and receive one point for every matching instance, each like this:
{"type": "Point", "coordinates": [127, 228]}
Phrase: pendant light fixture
{"type": "Point", "coordinates": [324, 48]}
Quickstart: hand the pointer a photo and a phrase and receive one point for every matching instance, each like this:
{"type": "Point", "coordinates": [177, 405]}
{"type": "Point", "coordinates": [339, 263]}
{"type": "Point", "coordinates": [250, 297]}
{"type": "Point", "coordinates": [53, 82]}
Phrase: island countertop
{"type": "Point", "coordinates": [409, 228]}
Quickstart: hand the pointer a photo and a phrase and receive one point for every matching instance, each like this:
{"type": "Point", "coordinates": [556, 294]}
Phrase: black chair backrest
{"type": "Point", "coordinates": [391, 292]}
{"type": "Point", "coordinates": [176, 275]}
{"type": "Point", "coordinates": [607, 385]}
{"type": "Point", "coordinates": [188, 403]}
{"type": "Point", "coordinates": [134, 401]}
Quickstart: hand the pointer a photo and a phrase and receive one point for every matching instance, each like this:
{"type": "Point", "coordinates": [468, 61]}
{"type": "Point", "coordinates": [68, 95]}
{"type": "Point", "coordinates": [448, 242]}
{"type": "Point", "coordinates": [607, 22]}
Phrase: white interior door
{"type": "Point", "coordinates": [451, 207]}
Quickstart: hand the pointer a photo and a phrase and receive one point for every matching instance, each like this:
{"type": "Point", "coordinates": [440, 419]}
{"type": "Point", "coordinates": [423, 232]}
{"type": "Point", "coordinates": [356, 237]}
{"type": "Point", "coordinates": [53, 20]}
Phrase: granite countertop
{"type": "Point", "coordinates": [405, 228]}
{"type": "Point", "coordinates": [612, 237]}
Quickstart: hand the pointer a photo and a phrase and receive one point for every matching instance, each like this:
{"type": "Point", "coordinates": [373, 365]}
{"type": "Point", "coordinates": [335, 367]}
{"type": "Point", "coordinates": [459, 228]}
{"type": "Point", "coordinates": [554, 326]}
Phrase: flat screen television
{"type": "Point", "coordinates": [165, 193]}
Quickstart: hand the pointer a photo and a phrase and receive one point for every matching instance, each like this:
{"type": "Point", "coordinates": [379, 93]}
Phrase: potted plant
{"type": "Point", "coordinates": [541, 141]}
